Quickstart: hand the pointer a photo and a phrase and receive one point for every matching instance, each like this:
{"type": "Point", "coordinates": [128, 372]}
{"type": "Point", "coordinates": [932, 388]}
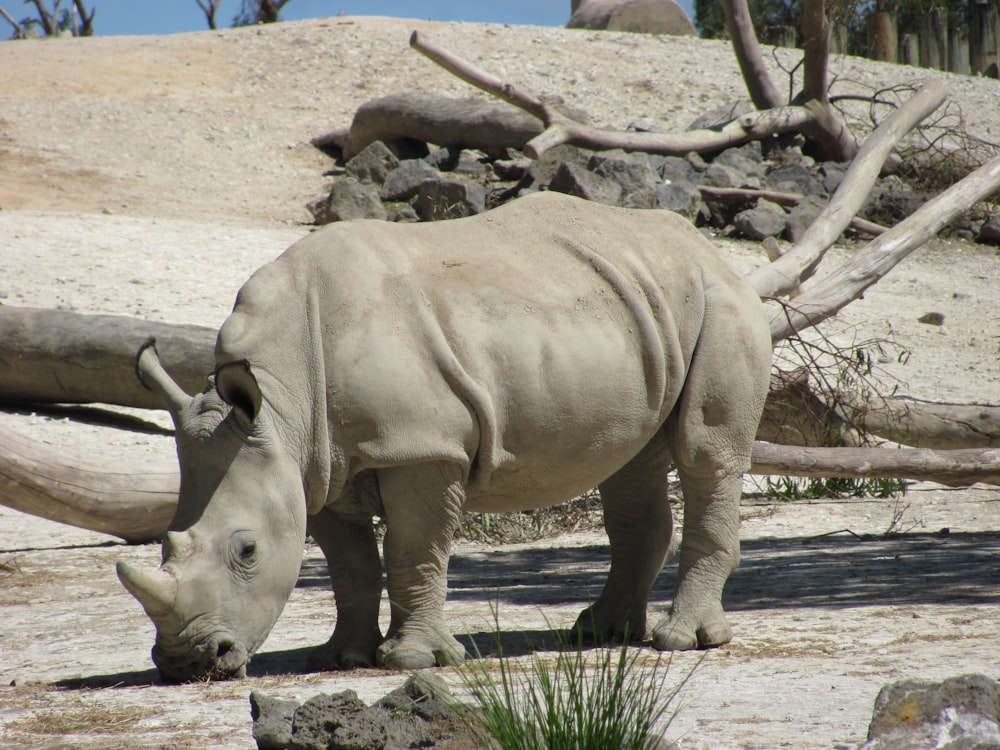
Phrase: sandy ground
{"type": "Point", "coordinates": [149, 176]}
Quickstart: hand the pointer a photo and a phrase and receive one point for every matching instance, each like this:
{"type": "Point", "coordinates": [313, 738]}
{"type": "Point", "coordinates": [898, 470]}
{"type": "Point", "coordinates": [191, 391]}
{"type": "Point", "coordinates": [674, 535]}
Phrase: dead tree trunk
{"type": "Point", "coordinates": [136, 506]}
{"type": "Point", "coordinates": [54, 356]}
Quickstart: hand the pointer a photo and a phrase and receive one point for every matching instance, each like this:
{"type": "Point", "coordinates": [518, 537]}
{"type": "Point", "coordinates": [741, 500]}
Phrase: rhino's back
{"type": "Point", "coordinates": [551, 332]}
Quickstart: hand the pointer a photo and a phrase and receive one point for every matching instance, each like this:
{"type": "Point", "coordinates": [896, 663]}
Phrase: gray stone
{"type": "Point", "coordinates": [449, 199]}
{"type": "Point", "coordinates": [543, 170]}
{"type": "Point", "coordinates": [573, 179]}
{"type": "Point", "coordinates": [723, 176]}
{"type": "Point", "coordinates": [372, 163]}
{"type": "Point", "coordinates": [801, 216]}
{"type": "Point", "coordinates": [989, 232]}
{"type": "Point", "coordinates": [680, 197]}
{"type": "Point", "coordinates": [959, 713]}
{"type": "Point", "coordinates": [404, 181]}
{"type": "Point", "coordinates": [272, 720]}
{"type": "Point", "coordinates": [636, 179]}
{"type": "Point", "coordinates": [832, 174]}
{"type": "Point", "coordinates": [348, 199]}
{"type": "Point", "coordinates": [317, 719]}
{"type": "Point", "coordinates": [677, 169]}
{"type": "Point", "coordinates": [511, 169]}
{"type": "Point", "coordinates": [795, 178]}
{"type": "Point", "coordinates": [766, 219]}
{"type": "Point", "coordinates": [739, 161]}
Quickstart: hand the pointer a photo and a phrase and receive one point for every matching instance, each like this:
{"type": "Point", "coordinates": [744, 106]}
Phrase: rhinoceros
{"type": "Point", "coordinates": [502, 362]}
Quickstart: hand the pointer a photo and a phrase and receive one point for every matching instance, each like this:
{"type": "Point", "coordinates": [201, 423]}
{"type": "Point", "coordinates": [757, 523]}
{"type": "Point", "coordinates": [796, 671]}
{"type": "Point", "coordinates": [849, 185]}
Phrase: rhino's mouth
{"type": "Point", "coordinates": [221, 657]}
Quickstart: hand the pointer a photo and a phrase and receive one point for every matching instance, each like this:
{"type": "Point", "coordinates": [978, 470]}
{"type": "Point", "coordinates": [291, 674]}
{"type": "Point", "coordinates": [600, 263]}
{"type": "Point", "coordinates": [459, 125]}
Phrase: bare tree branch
{"type": "Point", "coordinates": [18, 29]}
{"type": "Point", "coordinates": [209, 8]}
{"type": "Point", "coordinates": [825, 298]}
{"type": "Point", "coordinates": [797, 265]}
{"type": "Point", "coordinates": [958, 468]}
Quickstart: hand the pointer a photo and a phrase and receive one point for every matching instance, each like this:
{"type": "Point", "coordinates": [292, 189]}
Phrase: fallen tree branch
{"type": "Point", "coordinates": [136, 506]}
{"type": "Point", "coordinates": [959, 468]}
{"type": "Point", "coordinates": [782, 199]}
{"type": "Point", "coordinates": [55, 356]}
{"type": "Point", "coordinates": [560, 129]}
{"type": "Point", "coordinates": [824, 298]}
{"type": "Point", "coordinates": [469, 123]}
{"type": "Point", "coordinates": [798, 264]}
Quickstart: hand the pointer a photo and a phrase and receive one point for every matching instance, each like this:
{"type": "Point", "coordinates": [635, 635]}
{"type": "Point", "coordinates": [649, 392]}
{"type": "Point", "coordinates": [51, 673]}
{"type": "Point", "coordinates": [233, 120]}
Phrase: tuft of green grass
{"type": "Point", "coordinates": [601, 699]}
{"type": "Point", "coordinates": [792, 488]}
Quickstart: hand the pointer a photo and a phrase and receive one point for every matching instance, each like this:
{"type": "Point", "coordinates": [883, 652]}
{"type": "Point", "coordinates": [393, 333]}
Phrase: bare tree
{"type": "Point", "coordinates": [259, 11]}
{"type": "Point", "coordinates": [209, 8]}
{"type": "Point", "coordinates": [76, 20]}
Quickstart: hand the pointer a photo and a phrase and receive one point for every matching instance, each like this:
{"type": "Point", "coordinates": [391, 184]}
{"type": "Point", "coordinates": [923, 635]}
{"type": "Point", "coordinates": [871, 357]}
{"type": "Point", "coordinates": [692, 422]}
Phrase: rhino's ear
{"type": "Point", "coordinates": [238, 387]}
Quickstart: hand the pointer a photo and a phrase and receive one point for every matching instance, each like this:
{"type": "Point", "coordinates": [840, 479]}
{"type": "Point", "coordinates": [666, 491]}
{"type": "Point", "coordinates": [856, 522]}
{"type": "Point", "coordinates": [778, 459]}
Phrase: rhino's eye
{"type": "Point", "coordinates": [243, 548]}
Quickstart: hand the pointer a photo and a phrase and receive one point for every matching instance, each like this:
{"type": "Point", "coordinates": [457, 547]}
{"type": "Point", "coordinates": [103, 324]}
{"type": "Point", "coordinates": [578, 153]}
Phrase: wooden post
{"type": "Point", "coordinates": [882, 36]}
{"type": "Point", "coordinates": [909, 49]}
{"type": "Point", "coordinates": [934, 39]}
{"type": "Point", "coordinates": [958, 49]}
{"type": "Point", "coordinates": [983, 36]}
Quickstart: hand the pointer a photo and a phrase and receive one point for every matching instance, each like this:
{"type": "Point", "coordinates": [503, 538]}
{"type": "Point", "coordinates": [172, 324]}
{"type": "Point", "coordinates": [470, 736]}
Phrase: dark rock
{"type": "Point", "coordinates": [272, 720]}
{"type": "Point", "coordinates": [573, 179]}
{"type": "Point", "coordinates": [635, 177]}
{"type": "Point", "coordinates": [680, 197]}
{"type": "Point", "coordinates": [449, 199]}
{"type": "Point", "coordinates": [766, 219]}
{"type": "Point", "coordinates": [444, 158]}
{"type": "Point", "coordinates": [472, 164]}
{"type": "Point", "coordinates": [801, 216]}
{"type": "Point", "coordinates": [511, 169]}
{"type": "Point", "coordinates": [348, 199]}
{"type": "Point", "coordinates": [403, 213]}
{"type": "Point", "coordinates": [404, 181]}
{"type": "Point", "coordinates": [740, 162]}
{"type": "Point", "coordinates": [372, 163]}
{"type": "Point", "coordinates": [317, 719]}
{"type": "Point", "coordinates": [794, 178]}
{"type": "Point", "coordinates": [677, 169]}
{"type": "Point", "coordinates": [543, 170]}
{"type": "Point", "coordinates": [931, 319]}
{"type": "Point", "coordinates": [832, 174]}
{"type": "Point", "coordinates": [989, 232]}
{"type": "Point", "coordinates": [723, 176]}
{"type": "Point", "coordinates": [960, 713]}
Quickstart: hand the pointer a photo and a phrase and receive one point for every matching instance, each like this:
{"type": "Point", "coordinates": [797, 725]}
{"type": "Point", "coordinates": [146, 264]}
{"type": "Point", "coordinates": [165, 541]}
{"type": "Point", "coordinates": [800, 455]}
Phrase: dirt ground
{"type": "Point", "coordinates": [149, 176]}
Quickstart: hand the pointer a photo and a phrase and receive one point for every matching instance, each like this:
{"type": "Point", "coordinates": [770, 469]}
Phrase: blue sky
{"type": "Point", "coordinates": [118, 17]}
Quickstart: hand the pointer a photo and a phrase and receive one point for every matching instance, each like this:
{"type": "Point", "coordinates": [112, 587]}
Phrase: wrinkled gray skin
{"type": "Point", "coordinates": [498, 363]}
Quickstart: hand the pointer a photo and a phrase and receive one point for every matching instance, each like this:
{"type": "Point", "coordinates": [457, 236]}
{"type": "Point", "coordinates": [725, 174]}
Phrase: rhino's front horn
{"type": "Point", "coordinates": [156, 590]}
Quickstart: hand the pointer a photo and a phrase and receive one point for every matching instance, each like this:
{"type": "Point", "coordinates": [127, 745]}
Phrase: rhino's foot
{"type": "Point", "coordinates": [340, 653]}
{"type": "Point", "coordinates": [599, 624]}
{"type": "Point", "coordinates": [706, 629]}
{"type": "Point", "coordinates": [405, 652]}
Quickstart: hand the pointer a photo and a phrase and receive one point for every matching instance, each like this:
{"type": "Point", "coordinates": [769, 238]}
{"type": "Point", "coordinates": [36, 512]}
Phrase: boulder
{"type": "Point", "coordinates": [680, 197]}
{"type": "Point", "coordinates": [989, 232]}
{"type": "Point", "coordinates": [372, 163]}
{"type": "Point", "coordinates": [404, 181]}
{"type": "Point", "coordinates": [643, 16]}
{"type": "Point", "coordinates": [766, 219]}
{"type": "Point", "coordinates": [348, 199]}
{"type": "Point", "coordinates": [573, 179]}
{"type": "Point", "coordinates": [959, 713]}
{"type": "Point", "coordinates": [449, 199]}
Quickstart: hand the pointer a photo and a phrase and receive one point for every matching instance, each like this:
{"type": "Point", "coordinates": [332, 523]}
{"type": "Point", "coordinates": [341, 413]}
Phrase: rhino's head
{"type": "Point", "coordinates": [233, 553]}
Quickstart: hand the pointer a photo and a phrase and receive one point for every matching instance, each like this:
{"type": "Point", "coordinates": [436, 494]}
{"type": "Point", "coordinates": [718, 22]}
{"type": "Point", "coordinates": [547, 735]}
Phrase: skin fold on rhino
{"type": "Point", "coordinates": [503, 362]}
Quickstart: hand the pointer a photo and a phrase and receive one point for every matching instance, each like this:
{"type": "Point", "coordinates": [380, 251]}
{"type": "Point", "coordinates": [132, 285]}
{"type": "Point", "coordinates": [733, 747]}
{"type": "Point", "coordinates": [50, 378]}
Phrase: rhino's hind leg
{"type": "Point", "coordinates": [639, 523]}
{"type": "Point", "coordinates": [422, 506]}
{"type": "Point", "coordinates": [712, 431]}
{"type": "Point", "coordinates": [351, 552]}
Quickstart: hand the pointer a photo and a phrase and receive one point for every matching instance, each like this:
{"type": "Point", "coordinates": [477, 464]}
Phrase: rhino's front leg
{"type": "Point", "coordinates": [422, 504]}
{"type": "Point", "coordinates": [351, 552]}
